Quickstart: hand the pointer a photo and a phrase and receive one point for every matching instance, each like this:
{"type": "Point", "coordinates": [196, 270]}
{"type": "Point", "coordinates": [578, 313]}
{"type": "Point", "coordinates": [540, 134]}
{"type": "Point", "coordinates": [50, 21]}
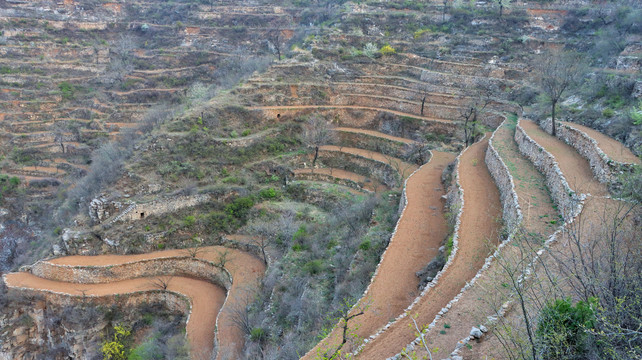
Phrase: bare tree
{"type": "Point", "coordinates": [479, 99]}
{"type": "Point", "coordinates": [316, 132]}
{"type": "Point", "coordinates": [161, 282]}
{"type": "Point", "coordinates": [196, 249]}
{"type": "Point", "coordinates": [556, 71]}
{"type": "Point", "coordinates": [223, 258]}
{"type": "Point", "coordinates": [275, 42]}
{"type": "Point", "coordinates": [346, 313]}
{"type": "Point", "coordinates": [417, 152]}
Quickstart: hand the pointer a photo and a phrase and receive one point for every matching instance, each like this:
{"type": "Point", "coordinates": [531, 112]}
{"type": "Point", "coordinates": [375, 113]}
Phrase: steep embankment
{"type": "Point", "coordinates": [207, 299]}
{"type": "Point", "coordinates": [477, 235]}
{"type": "Point", "coordinates": [419, 232]}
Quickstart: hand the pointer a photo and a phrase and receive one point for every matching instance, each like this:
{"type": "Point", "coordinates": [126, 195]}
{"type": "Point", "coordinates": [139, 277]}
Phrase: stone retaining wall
{"type": "Point", "coordinates": [403, 204]}
{"type": "Point", "coordinates": [604, 168]}
{"type": "Point", "coordinates": [178, 266]}
{"type": "Point", "coordinates": [369, 142]}
{"type": "Point", "coordinates": [383, 172]}
{"type": "Point", "coordinates": [140, 211]}
{"type": "Point", "coordinates": [456, 201]}
{"type": "Point", "coordinates": [512, 213]}
{"type": "Point", "coordinates": [330, 179]}
{"type": "Point", "coordinates": [561, 193]}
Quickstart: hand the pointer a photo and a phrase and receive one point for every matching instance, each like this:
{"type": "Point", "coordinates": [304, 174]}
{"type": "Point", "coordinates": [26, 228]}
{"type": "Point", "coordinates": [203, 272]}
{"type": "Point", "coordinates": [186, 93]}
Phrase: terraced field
{"type": "Point", "coordinates": [397, 125]}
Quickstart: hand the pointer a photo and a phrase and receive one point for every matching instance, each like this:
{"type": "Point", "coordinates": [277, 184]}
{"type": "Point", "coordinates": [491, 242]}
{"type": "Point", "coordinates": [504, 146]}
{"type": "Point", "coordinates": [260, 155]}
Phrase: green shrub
{"type": "Point", "coordinates": [365, 245]}
{"type": "Point", "coordinates": [240, 207]}
{"type": "Point", "coordinates": [300, 233]}
{"type": "Point", "coordinates": [189, 221]}
{"type": "Point", "coordinates": [67, 90]}
{"type": "Point", "coordinates": [562, 329]}
{"type": "Point", "coordinates": [608, 113]}
{"type": "Point", "coordinates": [246, 132]}
{"type": "Point", "coordinates": [314, 267]}
{"type": "Point", "coordinates": [387, 50]}
{"type": "Point", "coordinates": [258, 334]}
{"type": "Point", "coordinates": [118, 349]}
{"type": "Point", "coordinates": [269, 193]}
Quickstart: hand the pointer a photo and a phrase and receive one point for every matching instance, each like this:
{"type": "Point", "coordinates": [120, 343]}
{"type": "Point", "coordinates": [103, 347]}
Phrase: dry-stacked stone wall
{"type": "Point", "coordinates": [383, 172]}
{"type": "Point", "coordinates": [315, 176]}
{"type": "Point", "coordinates": [566, 199]}
{"type": "Point", "coordinates": [512, 213]}
{"type": "Point", "coordinates": [403, 204]}
{"type": "Point", "coordinates": [176, 266]}
{"type": "Point", "coordinates": [605, 169]}
{"type": "Point", "coordinates": [173, 300]}
{"type": "Point", "coordinates": [368, 142]}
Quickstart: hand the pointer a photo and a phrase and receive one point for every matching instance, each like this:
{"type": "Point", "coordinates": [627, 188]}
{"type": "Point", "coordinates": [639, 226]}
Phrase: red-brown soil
{"type": "Point", "coordinates": [244, 268]}
{"type": "Point", "coordinates": [420, 231]}
{"type": "Point", "coordinates": [207, 300]}
{"type": "Point", "coordinates": [611, 147]}
{"type": "Point", "coordinates": [575, 168]}
{"type": "Point", "coordinates": [478, 235]}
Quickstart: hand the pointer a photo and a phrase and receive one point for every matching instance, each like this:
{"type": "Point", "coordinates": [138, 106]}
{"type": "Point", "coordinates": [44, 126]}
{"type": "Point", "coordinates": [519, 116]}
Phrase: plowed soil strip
{"type": "Point", "coordinates": [478, 235]}
{"type": "Point", "coordinates": [539, 216]}
{"type": "Point", "coordinates": [245, 270]}
{"type": "Point", "coordinates": [207, 300]}
{"type": "Point", "coordinates": [611, 147]}
{"type": "Point", "coordinates": [301, 107]}
{"type": "Point", "coordinates": [420, 231]}
{"type": "Point", "coordinates": [575, 168]}
{"type": "Point", "coordinates": [368, 183]}
{"type": "Point", "coordinates": [375, 134]}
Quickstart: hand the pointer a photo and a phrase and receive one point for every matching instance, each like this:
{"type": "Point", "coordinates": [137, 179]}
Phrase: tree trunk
{"type": "Point", "coordinates": [423, 102]}
{"type": "Point", "coordinates": [554, 102]}
{"type": "Point", "coordinates": [316, 155]}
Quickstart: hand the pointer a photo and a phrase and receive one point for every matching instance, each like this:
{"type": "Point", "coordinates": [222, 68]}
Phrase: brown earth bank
{"type": "Point", "coordinates": [421, 229]}
{"type": "Point", "coordinates": [202, 325]}
{"type": "Point", "coordinates": [478, 235]}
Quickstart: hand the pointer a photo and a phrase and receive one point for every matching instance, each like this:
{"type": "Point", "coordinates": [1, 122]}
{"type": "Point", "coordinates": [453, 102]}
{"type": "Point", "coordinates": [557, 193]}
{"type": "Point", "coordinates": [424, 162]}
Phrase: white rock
{"type": "Point", "coordinates": [476, 333]}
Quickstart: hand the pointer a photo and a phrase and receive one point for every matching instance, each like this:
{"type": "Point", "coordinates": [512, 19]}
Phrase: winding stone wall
{"type": "Point", "coordinates": [512, 213]}
{"type": "Point", "coordinates": [561, 193]}
{"type": "Point", "coordinates": [178, 266]}
{"type": "Point", "coordinates": [605, 169]}
{"type": "Point", "coordinates": [403, 204]}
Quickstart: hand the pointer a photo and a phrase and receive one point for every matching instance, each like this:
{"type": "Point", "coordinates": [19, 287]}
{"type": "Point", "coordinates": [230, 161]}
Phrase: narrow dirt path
{"type": "Point", "coordinates": [575, 168]}
{"type": "Point", "coordinates": [478, 235]}
{"type": "Point", "coordinates": [368, 183]}
{"type": "Point", "coordinates": [244, 268]}
{"type": "Point", "coordinates": [374, 134]}
{"type": "Point", "coordinates": [481, 300]}
{"type": "Point", "coordinates": [420, 230]}
{"type": "Point", "coordinates": [300, 107]}
{"type": "Point", "coordinates": [206, 298]}
{"type": "Point", "coordinates": [611, 147]}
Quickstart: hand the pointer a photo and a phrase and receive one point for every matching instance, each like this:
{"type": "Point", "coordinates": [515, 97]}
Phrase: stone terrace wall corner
{"type": "Point", "coordinates": [566, 199]}
{"type": "Point", "coordinates": [605, 169]}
